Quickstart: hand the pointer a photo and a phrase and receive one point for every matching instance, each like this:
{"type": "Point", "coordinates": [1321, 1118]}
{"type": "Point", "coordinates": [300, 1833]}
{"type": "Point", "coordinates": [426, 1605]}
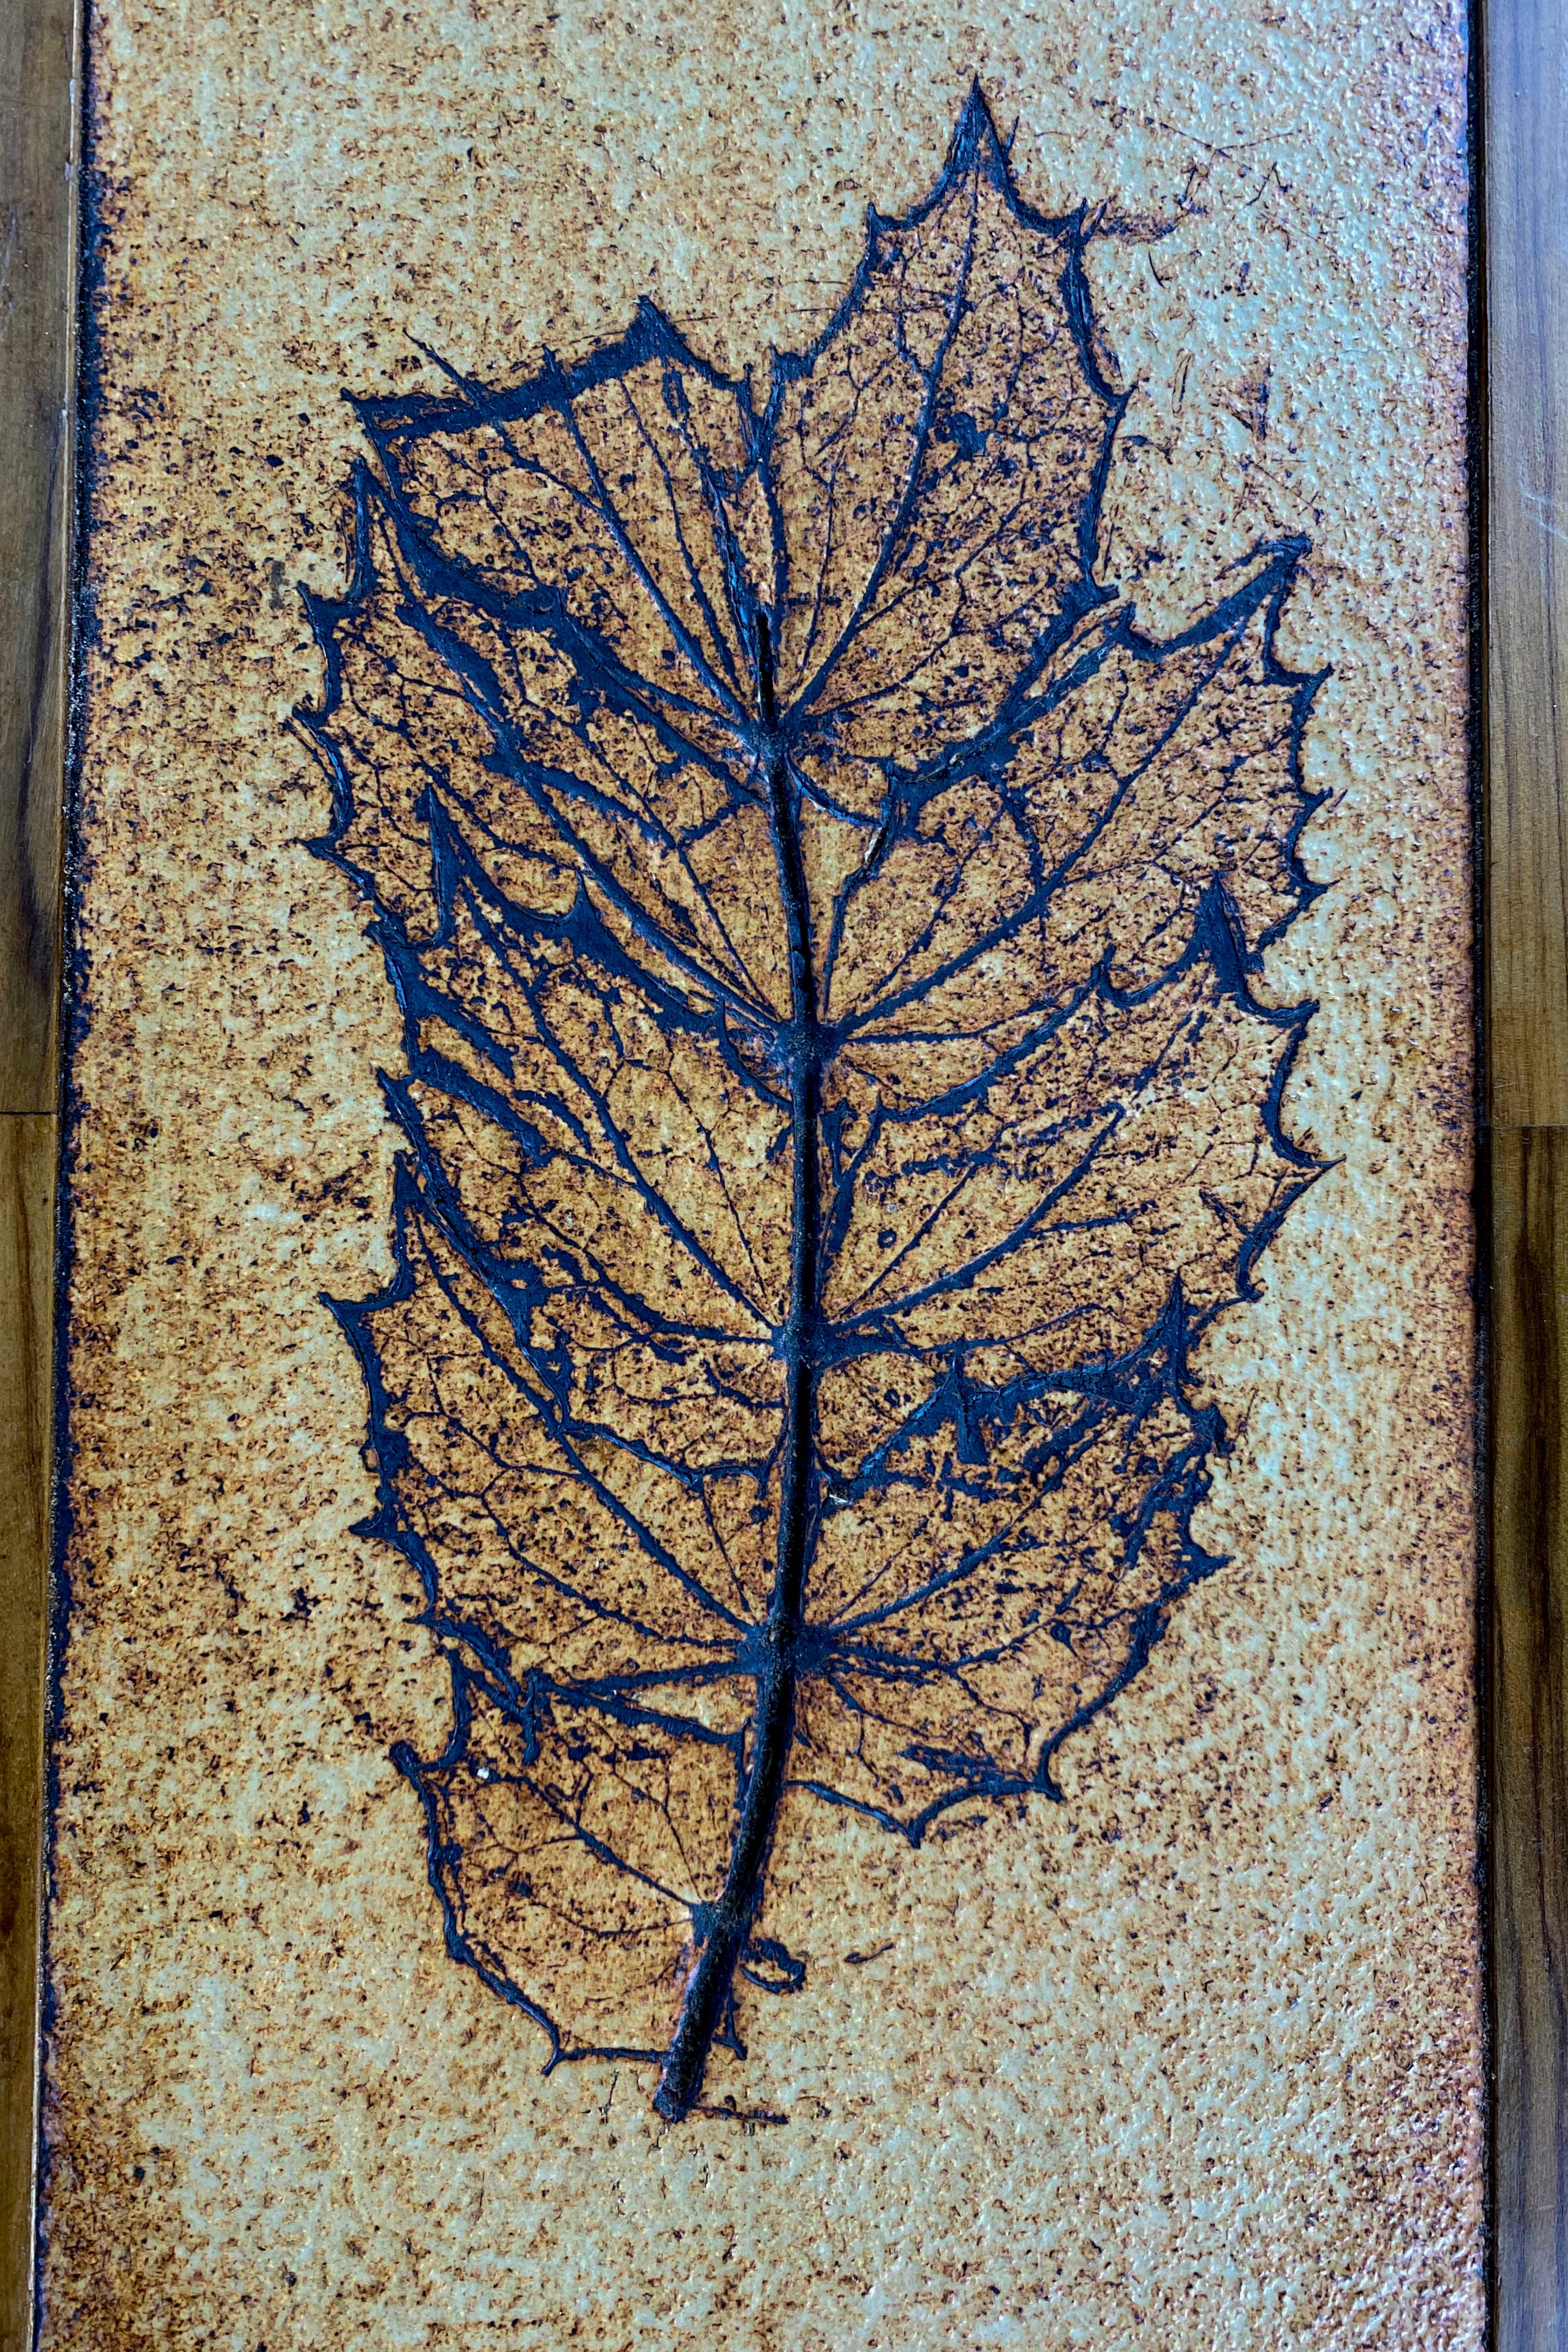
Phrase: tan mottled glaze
{"type": "Point", "coordinates": [1194, 2055]}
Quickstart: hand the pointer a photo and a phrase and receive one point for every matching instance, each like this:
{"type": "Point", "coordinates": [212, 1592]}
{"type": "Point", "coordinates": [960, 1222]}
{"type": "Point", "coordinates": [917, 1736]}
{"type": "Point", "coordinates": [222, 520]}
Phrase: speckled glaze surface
{"type": "Point", "coordinates": [1192, 2056]}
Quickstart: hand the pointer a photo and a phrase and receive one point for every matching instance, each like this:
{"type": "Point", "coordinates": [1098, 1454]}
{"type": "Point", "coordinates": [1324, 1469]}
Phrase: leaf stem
{"type": "Point", "coordinates": [729, 1923]}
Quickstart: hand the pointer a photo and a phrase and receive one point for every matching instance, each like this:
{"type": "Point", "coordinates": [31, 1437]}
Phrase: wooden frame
{"type": "Point", "coordinates": [1522, 423]}
{"type": "Point", "coordinates": [39, 47]}
{"type": "Point", "coordinates": [1523, 416]}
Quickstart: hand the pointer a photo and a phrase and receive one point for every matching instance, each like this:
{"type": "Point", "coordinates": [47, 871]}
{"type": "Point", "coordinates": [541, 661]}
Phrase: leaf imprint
{"type": "Point", "coordinates": [826, 928]}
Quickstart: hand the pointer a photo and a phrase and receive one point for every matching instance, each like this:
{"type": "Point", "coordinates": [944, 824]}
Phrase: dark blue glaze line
{"type": "Point", "coordinates": [729, 1928]}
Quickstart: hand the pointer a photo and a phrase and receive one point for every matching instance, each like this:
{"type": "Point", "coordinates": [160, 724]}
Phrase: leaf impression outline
{"type": "Point", "coordinates": [837, 1099]}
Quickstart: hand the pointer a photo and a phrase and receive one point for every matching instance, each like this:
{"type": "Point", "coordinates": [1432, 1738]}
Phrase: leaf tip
{"type": "Point", "coordinates": [976, 145]}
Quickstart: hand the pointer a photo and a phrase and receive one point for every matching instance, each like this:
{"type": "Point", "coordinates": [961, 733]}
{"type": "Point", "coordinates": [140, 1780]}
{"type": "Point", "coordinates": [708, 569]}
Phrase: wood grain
{"type": "Point", "coordinates": [38, 51]}
{"type": "Point", "coordinates": [1525, 69]}
{"type": "Point", "coordinates": [1526, 173]}
{"type": "Point", "coordinates": [28, 1148]}
{"type": "Point", "coordinates": [36, 199]}
{"type": "Point", "coordinates": [1527, 1671]}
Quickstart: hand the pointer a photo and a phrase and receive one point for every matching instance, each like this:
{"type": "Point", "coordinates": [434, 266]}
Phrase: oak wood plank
{"type": "Point", "coordinates": [1528, 1676]}
{"type": "Point", "coordinates": [1525, 357]}
{"type": "Point", "coordinates": [27, 1151]}
{"type": "Point", "coordinates": [36, 272]}
{"type": "Point", "coordinates": [1526, 178]}
{"type": "Point", "coordinates": [38, 111]}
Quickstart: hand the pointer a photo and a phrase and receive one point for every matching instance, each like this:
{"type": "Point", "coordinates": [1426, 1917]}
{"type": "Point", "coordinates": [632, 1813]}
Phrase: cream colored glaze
{"type": "Point", "coordinates": [1194, 2059]}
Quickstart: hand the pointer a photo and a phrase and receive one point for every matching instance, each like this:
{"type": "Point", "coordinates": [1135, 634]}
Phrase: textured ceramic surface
{"type": "Point", "coordinates": [1102, 1943]}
